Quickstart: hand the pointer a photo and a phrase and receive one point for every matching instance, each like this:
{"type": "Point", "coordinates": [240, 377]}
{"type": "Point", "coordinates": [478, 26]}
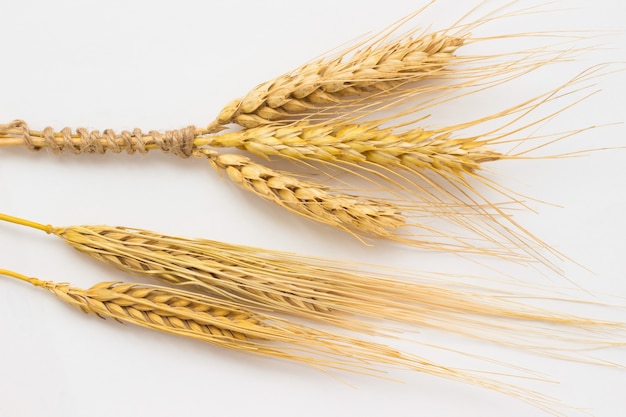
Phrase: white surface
{"type": "Point", "coordinates": [164, 65]}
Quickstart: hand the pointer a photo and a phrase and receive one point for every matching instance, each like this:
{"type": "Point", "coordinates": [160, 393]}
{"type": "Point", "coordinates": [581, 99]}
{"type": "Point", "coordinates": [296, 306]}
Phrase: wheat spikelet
{"type": "Point", "coordinates": [214, 321]}
{"type": "Point", "coordinates": [479, 225]}
{"type": "Point", "coordinates": [308, 198]}
{"type": "Point", "coordinates": [220, 323]}
{"type": "Point", "coordinates": [332, 292]}
{"type": "Point", "coordinates": [363, 143]}
{"type": "Point", "coordinates": [437, 167]}
{"type": "Point", "coordinates": [391, 67]}
{"type": "Point", "coordinates": [362, 216]}
{"type": "Point", "coordinates": [379, 67]}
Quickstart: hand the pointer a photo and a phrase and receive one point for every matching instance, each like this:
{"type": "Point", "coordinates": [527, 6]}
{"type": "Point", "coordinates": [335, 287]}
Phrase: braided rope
{"type": "Point", "coordinates": [179, 142]}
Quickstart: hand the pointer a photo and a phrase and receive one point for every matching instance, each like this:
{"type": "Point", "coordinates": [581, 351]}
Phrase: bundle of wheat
{"type": "Point", "coordinates": [317, 113]}
{"type": "Point", "coordinates": [334, 292]}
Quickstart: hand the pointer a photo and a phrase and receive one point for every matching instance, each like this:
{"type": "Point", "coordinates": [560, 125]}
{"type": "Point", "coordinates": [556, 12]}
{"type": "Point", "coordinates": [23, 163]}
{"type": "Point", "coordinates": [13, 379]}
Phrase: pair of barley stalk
{"type": "Point", "coordinates": [321, 114]}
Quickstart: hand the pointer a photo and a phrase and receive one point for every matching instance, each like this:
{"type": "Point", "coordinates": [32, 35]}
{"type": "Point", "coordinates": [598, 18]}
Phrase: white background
{"type": "Point", "coordinates": [165, 65]}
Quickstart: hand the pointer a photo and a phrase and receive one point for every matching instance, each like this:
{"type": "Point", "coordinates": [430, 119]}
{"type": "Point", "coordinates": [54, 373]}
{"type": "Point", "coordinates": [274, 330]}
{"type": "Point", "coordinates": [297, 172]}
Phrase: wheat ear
{"type": "Point", "coordinates": [333, 292]}
{"type": "Point", "coordinates": [391, 67]}
{"type": "Point", "coordinates": [380, 67]}
{"type": "Point", "coordinates": [307, 198]}
{"type": "Point", "coordinates": [365, 143]}
{"type": "Point", "coordinates": [436, 166]}
{"type": "Point", "coordinates": [364, 217]}
{"type": "Point", "coordinates": [361, 216]}
{"type": "Point", "coordinates": [219, 323]}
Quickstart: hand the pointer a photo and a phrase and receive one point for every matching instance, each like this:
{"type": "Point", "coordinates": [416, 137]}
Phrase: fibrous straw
{"type": "Point", "coordinates": [178, 142]}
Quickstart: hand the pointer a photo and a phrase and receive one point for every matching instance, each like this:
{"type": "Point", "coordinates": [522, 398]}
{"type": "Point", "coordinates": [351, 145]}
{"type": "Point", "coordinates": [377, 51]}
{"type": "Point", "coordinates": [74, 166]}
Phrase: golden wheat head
{"type": "Point", "coordinates": [219, 323]}
{"type": "Point", "coordinates": [332, 292]}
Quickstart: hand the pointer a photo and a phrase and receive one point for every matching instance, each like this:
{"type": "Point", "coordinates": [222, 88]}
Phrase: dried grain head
{"type": "Point", "coordinates": [364, 144]}
{"type": "Point", "coordinates": [362, 216]}
{"type": "Point", "coordinates": [209, 320]}
{"type": "Point", "coordinates": [332, 292]}
{"type": "Point", "coordinates": [379, 67]}
{"type": "Point", "coordinates": [394, 66]}
{"type": "Point", "coordinates": [319, 289]}
{"type": "Point", "coordinates": [307, 198]}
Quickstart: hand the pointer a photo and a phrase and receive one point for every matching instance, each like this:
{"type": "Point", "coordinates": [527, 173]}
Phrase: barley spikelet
{"type": "Point", "coordinates": [220, 323]}
{"type": "Point", "coordinates": [332, 292]}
